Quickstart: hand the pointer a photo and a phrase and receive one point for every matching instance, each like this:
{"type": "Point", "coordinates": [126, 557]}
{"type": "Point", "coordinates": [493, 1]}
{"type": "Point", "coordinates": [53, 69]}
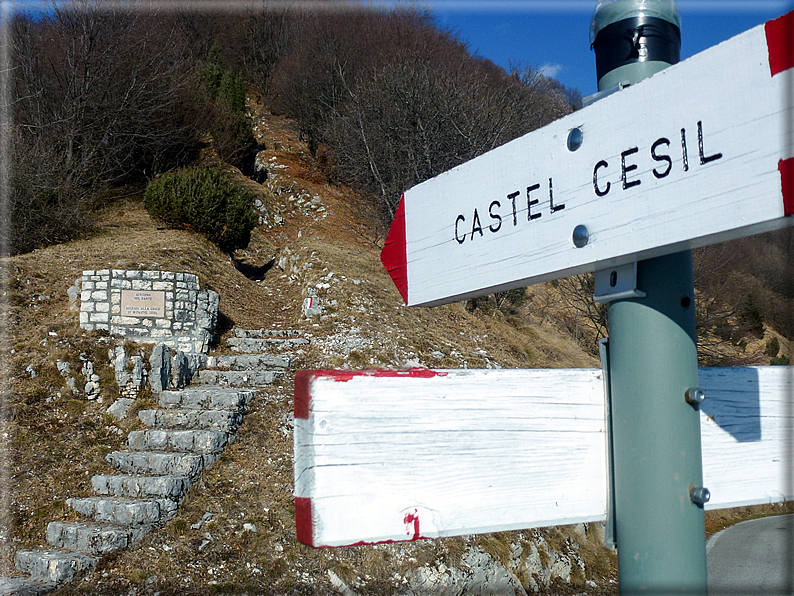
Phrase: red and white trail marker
{"type": "Point", "coordinates": [386, 456]}
{"type": "Point", "coordinates": [701, 152]}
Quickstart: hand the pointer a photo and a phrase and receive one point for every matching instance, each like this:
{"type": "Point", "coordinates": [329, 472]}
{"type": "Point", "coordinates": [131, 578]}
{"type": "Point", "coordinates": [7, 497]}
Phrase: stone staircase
{"type": "Point", "coordinates": [185, 435]}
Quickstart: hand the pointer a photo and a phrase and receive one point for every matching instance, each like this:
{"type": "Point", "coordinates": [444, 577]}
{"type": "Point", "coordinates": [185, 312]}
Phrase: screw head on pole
{"type": "Point", "coordinates": [699, 495]}
{"type": "Point", "coordinates": [694, 396]}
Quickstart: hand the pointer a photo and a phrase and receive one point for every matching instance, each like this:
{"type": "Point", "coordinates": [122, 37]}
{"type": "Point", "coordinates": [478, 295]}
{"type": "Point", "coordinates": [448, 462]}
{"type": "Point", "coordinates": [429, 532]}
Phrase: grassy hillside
{"type": "Point", "coordinates": [56, 441]}
{"type": "Point", "coordinates": [314, 236]}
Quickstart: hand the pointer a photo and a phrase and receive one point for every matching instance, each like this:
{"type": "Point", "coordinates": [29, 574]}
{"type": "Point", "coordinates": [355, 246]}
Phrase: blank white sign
{"type": "Point", "coordinates": [389, 456]}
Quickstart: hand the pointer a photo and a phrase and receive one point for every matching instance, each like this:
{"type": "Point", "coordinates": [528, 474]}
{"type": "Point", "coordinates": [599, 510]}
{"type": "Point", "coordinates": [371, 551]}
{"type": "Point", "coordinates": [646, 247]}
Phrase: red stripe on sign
{"type": "Point", "coordinates": [393, 254]}
{"type": "Point", "coordinates": [343, 376]}
{"type": "Point", "coordinates": [786, 168]}
{"type": "Point", "coordinates": [780, 43]}
{"type": "Point", "coordinates": [303, 520]}
{"type": "Point", "coordinates": [303, 398]}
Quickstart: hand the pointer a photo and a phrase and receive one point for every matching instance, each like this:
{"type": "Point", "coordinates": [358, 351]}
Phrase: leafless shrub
{"type": "Point", "coordinates": [47, 203]}
{"type": "Point", "coordinates": [585, 319]}
{"type": "Point", "coordinates": [100, 97]}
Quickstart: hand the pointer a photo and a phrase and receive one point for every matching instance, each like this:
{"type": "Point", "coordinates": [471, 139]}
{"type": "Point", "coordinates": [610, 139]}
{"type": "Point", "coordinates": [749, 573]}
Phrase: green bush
{"type": "Point", "coordinates": [205, 201]}
{"type": "Point", "coordinates": [212, 73]}
{"type": "Point", "coordinates": [231, 90]}
{"type": "Point", "coordinates": [230, 128]}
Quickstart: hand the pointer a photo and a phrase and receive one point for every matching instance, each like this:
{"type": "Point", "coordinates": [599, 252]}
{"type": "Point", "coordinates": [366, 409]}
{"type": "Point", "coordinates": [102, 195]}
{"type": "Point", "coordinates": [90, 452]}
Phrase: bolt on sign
{"type": "Point", "coordinates": [699, 153]}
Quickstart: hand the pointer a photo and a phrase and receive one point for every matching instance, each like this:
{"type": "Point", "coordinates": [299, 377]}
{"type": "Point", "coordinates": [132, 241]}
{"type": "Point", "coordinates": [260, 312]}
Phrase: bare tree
{"type": "Point", "coordinates": [584, 318]}
{"type": "Point", "coordinates": [397, 100]}
{"type": "Point", "coordinates": [415, 115]}
{"type": "Point", "coordinates": [100, 97]}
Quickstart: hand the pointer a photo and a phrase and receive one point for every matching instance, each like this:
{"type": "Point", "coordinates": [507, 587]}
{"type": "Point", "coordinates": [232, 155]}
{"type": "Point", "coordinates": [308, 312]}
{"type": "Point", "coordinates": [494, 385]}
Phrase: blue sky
{"type": "Point", "coordinates": [554, 35]}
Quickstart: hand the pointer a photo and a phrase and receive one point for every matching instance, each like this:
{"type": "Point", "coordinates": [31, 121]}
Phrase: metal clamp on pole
{"type": "Point", "coordinates": [633, 39]}
{"type": "Point", "coordinates": [616, 283]}
{"type": "Point", "coordinates": [610, 533]}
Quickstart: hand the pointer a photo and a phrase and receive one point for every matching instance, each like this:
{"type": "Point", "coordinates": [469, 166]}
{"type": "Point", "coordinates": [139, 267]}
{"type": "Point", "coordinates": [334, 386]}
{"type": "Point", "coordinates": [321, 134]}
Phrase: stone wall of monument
{"type": "Point", "coordinates": [149, 306]}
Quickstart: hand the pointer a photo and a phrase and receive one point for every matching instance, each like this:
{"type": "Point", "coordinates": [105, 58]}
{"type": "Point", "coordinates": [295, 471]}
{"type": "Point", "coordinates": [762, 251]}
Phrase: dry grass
{"type": "Point", "coordinates": [720, 519]}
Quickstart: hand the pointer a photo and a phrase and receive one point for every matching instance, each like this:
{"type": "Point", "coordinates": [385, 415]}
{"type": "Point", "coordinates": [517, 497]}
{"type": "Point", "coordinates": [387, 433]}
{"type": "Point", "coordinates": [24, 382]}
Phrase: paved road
{"type": "Point", "coordinates": [753, 557]}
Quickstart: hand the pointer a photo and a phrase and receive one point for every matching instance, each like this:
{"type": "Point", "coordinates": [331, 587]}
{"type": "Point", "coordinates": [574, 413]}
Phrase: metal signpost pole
{"type": "Point", "coordinates": [653, 370]}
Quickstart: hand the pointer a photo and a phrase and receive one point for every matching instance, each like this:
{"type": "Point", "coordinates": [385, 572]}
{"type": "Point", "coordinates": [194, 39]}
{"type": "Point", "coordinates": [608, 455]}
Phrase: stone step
{"type": "Point", "coordinates": [248, 362]}
{"type": "Point", "coordinates": [235, 378]}
{"type": "Point", "coordinates": [160, 464]}
{"type": "Point", "coordinates": [125, 512]}
{"type": "Point", "coordinates": [93, 539]}
{"type": "Point", "coordinates": [52, 566]}
{"type": "Point", "coordinates": [250, 345]}
{"type": "Point", "coordinates": [24, 586]}
{"type": "Point", "coordinates": [122, 485]}
{"type": "Point", "coordinates": [260, 333]}
{"type": "Point", "coordinates": [223, 420]}
{"type": "Point", "coordinates": [184, 441]}
{"type": "Point", "coordinates": [207, 398]}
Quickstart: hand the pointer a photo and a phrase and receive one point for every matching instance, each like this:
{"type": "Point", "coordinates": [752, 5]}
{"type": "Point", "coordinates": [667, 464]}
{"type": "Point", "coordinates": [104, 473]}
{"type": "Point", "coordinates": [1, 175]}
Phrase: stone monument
{"type": "Point", "coordinates": [160, 307]}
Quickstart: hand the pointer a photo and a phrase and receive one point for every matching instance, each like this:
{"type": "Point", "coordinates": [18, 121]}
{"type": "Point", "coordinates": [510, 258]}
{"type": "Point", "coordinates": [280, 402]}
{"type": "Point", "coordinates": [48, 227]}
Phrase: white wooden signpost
{"type": "Point", "coordinates": [392, 456]}
{"type": "Point", "coordinates": [699, 153]}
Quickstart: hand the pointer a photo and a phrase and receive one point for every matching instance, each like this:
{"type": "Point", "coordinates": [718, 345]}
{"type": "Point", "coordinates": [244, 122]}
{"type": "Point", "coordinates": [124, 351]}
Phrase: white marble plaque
{"type": "Point", "coordinates": [142, 303]}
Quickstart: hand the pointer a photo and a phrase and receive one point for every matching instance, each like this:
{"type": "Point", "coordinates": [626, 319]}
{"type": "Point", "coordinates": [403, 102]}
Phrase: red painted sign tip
{"type": "Point", "coordinates": [303, 520]}
{"type": "Point", "coordinates": [780, 43]}
{"type": "Point", "coordinates": [303, 398]}
{"type": "Point", "coordinates": [393, 255]}
{"type": "Point", "coordinates": [786, 168]}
